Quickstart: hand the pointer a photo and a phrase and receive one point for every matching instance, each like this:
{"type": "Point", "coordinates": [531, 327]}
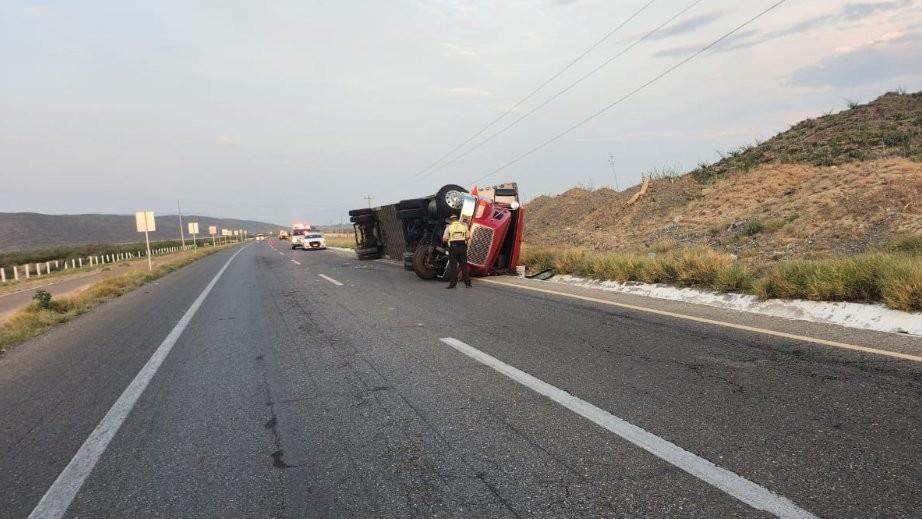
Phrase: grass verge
{"type": "Point", "coordinates": [38, 317]}
{"type": "Point", "coordinates": [344, 240]}
{"type": "Point", "coordinates": [893, 278]}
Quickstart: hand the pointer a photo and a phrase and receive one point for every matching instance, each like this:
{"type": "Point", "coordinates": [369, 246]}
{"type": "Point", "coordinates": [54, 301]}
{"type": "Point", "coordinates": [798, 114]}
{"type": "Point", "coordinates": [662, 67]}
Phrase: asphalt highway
{"type": "Point", "coordinates": [266, 382]}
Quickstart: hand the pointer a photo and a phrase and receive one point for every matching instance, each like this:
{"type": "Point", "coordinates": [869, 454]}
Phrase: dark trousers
{"type": "Point", "coordinates": [457, 255]}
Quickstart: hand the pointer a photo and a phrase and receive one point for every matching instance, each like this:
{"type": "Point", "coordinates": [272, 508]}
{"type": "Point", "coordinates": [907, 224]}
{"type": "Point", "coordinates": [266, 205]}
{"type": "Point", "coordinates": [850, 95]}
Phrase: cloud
{"type": "Point", "coordinates": [858, 11]}
{"type": "Point", "coordinates": [469, 92]}
{"type": "Point", "coordinates": [458, 50]}
{"type": "Point", "coordinates": [680, 51]}
{"type": "Point", "coordinates": [890, 56]}
{"type": "Point", "coordinates": [850, 12]}
{"type": "Point", "coordinates": [687, 26]}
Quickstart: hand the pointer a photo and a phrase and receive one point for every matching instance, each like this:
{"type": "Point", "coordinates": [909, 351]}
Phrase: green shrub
{"type": "Point", "coordinates": [42, 299]}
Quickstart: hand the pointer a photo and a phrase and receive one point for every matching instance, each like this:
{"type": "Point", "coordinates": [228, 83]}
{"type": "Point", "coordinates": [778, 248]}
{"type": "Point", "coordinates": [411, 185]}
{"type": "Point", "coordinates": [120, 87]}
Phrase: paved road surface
{"type": "Point", "coordinates": [323, 388]}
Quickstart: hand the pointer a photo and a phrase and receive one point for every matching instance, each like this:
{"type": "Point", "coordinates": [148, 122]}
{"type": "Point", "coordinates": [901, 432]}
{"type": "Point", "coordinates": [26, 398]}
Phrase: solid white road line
{"type": "Point", "coordinates": [62, 492]}
{"type": "Point", "coordinates": [824, 342]}
{"type": "Point", "coordinates": [296, 262]}
{"type": "Point", "coordinates": [737, 486]}
{"type": "Point", "coordinates": [331, 280]}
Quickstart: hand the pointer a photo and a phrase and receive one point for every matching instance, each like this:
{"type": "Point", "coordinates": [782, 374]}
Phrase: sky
{"type": "Point", "coordinates": [289, 111]}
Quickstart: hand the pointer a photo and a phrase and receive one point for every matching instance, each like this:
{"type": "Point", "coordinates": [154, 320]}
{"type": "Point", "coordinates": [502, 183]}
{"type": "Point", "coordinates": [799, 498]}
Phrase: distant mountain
{"type": "Point", "coordinates": [21, 231]}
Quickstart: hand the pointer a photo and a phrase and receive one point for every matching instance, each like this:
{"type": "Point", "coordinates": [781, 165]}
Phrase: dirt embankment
{"type": "Point", "coordinates": [770, 212]}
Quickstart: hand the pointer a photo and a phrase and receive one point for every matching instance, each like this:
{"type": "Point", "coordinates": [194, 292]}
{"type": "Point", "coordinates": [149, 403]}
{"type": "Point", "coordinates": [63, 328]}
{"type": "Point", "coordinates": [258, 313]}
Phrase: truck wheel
{"type": "Point", "coordinates": [410, 214]}
{"type": "Point", "coordinates": [368, 254]}
{"type": "Point", "coordinates": [423, 263]}
{"type": "Point", "coordinates": [359, 212]}
{"type": "Point", "coordinates": [449, 199]}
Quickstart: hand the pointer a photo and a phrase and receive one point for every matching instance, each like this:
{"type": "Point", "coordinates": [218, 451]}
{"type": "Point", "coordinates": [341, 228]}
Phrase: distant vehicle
{"type": "Point", "coordinates": [260, 236]}
{"type": "Point", "coordinates": [314, 240]}
{"type": "Point", "coordinates": [283, 235]}
{"type": "Point", "coordinates": [298, 231]}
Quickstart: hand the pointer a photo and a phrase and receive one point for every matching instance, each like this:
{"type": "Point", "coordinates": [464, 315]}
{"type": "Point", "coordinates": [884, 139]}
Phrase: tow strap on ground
{"type": "Point", "coordinates": [544, 275]}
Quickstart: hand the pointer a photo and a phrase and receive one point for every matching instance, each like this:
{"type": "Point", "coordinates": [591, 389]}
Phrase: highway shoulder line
{"type": "Point", "coordinates": [715, 322]}
{"type": "Point", "coordinates": [731, 483]}
{"type": "Point", "coordinates": [58, 498]}
{"type": "Point", "coordinates": [331, 280]}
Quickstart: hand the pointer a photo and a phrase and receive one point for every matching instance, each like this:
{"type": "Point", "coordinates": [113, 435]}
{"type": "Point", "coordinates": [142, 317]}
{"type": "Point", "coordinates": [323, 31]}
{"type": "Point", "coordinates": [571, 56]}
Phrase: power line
{"type": "Point", "coordinates": [632, 92]}
{"type": "Point", "coordinates": [571, 85]}
{"type": "Point", "coordinates": [536, 90]}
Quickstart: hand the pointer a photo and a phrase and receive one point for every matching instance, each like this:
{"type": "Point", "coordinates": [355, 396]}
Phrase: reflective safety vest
{"type": "Point", "coordinates": [457, 231]}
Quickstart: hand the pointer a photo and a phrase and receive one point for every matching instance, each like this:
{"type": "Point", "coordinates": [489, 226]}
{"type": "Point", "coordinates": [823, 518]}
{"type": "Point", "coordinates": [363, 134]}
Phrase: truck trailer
{"type": "Point", "coordinates": [410, 231]}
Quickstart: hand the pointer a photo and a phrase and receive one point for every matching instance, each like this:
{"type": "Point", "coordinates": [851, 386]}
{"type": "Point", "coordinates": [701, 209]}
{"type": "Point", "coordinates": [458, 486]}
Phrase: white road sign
{"type": "Point", "coordinates": [193, 227]}
{"type": "Point", "coordinates": [212, 230]}
{"type": "Point", "coordinates": [144, 220]}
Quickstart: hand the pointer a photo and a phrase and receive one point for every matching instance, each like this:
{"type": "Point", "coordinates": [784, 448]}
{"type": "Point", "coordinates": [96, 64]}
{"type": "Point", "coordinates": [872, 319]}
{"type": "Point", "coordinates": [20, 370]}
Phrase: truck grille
{"type": "Point", "coordinates": [479, 248]}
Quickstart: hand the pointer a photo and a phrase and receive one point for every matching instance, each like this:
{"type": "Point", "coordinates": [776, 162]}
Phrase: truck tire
{"type": "Point", "coordinates": [368, 254]}
{"type": "Point", "coordinates": [442, 198]}
{"type": "Point", "coordinates": [363, 218]}
{"type": "Point", "coordinates": [422, 262]}
{"type": "Point", "coordinates": [413, 203]}
{"type": "Point", "coordinates": [359, 212]}
{"type": "Point", "coordinates": [411, 214]}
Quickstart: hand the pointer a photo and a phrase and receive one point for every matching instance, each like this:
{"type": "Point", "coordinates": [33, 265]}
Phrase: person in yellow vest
{"type": "Point", "coordinates": [457, 235]}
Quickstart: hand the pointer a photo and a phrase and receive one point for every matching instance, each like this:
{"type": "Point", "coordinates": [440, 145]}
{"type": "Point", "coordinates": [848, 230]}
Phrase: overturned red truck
{"type": "Point", "coordinates": [411, 230]}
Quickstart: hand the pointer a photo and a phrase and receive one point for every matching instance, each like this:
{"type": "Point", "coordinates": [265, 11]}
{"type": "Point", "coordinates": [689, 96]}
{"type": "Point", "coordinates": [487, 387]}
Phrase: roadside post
{"type": "Point", "coordinates": [213, 231]}
{"type": "Point", "coordinates": [193, 230]}
{"type": "Point", "coordinates": [145, 223]}
{"type": "Point", "coordinates": [181, 235]}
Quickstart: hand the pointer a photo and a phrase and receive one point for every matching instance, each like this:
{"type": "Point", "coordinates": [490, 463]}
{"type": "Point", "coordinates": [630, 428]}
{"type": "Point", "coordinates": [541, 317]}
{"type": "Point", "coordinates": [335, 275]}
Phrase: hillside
{"type": "Point", "coordinates": [841, 183]}
{"type": "Point", "coordinates": [20, 231]}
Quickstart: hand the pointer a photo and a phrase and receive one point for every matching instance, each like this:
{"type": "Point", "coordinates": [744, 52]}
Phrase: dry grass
{"type": "Point", "coordinates": [34, 320]}
{"type": "Point", "coordinates": [345, 240]}
{"type": "Point", "coordinates": [693, 266]}
{"type": "Point", "coordinates": [894, 279]}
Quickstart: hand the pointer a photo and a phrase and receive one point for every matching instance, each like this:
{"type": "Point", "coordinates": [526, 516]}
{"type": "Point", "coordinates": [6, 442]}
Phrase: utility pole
{"type": "Point", "coordinates": [611, 164]}
{"type": "Point", "coordinates": [369, 198]}
{"type": "Point", "coordinates": [182, 235]}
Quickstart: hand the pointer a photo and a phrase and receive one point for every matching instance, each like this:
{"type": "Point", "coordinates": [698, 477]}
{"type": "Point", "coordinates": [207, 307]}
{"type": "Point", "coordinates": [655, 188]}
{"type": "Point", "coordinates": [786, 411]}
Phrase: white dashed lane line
{"type": "Point", "coordinates": [331, 280]}
{"type": "Point", "coordinates": [296, 262]}
{"type": "Point", "coordinates": [733, 484]}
